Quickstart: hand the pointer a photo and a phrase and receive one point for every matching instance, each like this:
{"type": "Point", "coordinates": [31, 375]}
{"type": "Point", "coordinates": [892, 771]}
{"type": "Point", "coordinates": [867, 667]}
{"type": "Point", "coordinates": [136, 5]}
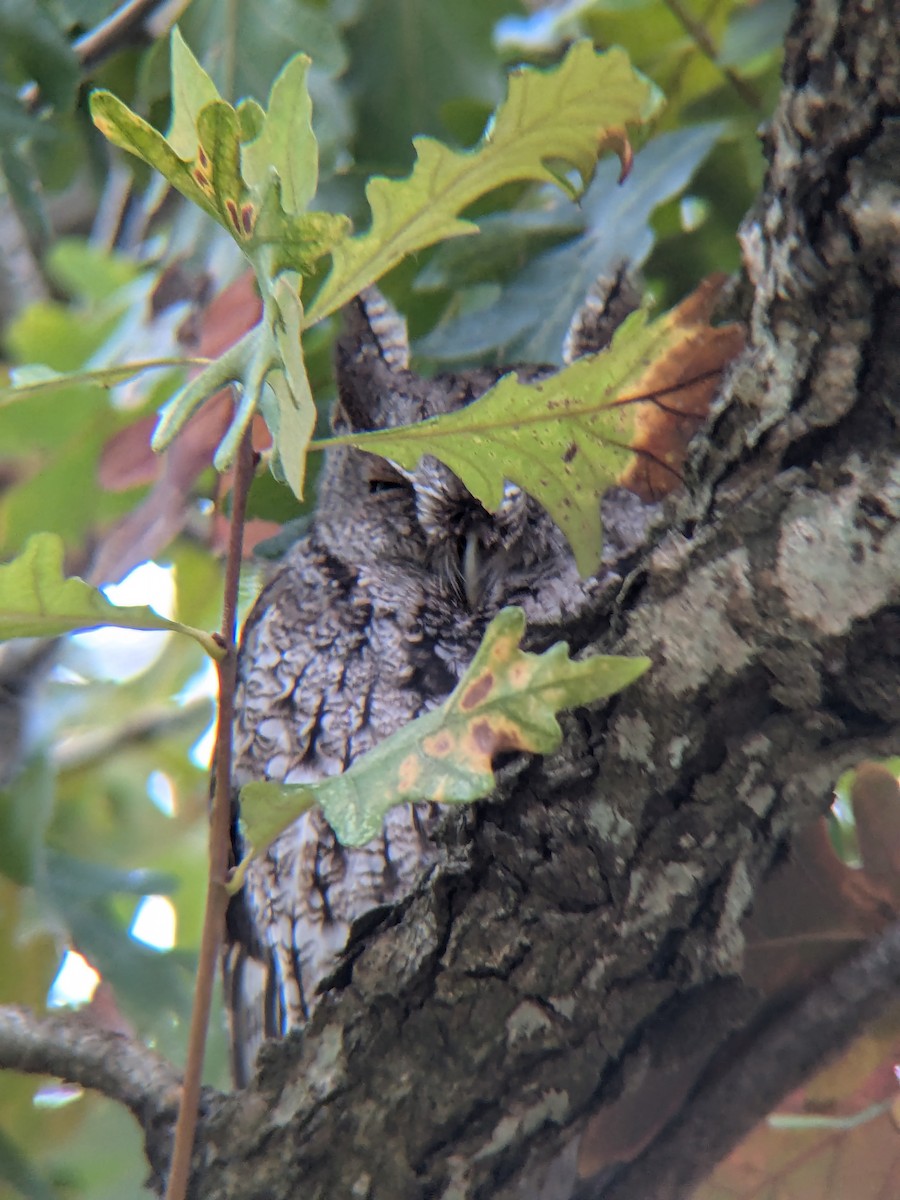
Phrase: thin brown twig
{"type": "Point", "coordinates": [705, 43]}
{"type": "Point", "coordinates": [101, 41]}
{"type": "Point", "coordinates": [112, 33]}
{"type": "Point", "coordinates": [219, 826]}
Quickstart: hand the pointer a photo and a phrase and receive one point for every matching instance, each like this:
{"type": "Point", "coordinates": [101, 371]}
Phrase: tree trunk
{"type": "Point", "coordinates": [583, 933]}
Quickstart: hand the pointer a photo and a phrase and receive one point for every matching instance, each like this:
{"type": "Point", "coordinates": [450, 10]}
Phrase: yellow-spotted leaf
{"type": "Point", "coordinates": [621, 416]}
{"type": "Point", "coordinates": [506, 701]}
{"type": "Point", "coordinates": [37, 600]}
{"type": "Point", "coordinates": [128, 131]}
{"type": "Point", "coordinates": [552, 120]}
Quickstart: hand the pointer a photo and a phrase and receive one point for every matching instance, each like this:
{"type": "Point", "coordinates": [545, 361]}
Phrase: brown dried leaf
{"type": "Point", "coordinates": [836, 1137]}
{"type": "Point", "coordinates": [673, 395]}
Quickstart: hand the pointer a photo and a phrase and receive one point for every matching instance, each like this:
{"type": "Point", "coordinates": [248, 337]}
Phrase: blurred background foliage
{"type": "Point", "coordinates": [103, 741]}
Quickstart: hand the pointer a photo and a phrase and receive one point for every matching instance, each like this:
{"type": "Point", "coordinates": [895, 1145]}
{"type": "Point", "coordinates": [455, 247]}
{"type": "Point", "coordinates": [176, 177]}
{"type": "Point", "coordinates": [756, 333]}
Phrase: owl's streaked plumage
{"type": "Point", "coordinates": [368, 622]}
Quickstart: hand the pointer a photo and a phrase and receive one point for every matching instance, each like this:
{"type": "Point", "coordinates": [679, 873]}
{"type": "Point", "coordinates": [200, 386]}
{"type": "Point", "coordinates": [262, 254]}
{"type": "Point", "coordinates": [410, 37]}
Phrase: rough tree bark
{"type": "Point", "coordinates": [583, 932]}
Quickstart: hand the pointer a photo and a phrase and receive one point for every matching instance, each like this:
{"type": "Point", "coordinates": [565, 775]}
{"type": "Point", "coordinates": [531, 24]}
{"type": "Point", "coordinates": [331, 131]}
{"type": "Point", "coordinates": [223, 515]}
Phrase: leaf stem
{"type": "Point", "coordinates": [227, 368]}
{"type": "Point", "coordinates": [706, 45]}
{"type": "Point", "coordinates": [208, 641]}
{"type": "Point", "coordinates": [220, 818]}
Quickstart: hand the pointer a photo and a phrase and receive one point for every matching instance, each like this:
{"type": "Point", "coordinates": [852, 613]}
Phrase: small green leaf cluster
{"type": "Point", "coordinates": [255, 170]}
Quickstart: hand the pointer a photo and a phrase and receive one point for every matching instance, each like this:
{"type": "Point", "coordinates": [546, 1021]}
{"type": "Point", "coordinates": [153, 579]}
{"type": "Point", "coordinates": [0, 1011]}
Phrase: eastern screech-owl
{"type": "Point", "coordinates": [369, 621]}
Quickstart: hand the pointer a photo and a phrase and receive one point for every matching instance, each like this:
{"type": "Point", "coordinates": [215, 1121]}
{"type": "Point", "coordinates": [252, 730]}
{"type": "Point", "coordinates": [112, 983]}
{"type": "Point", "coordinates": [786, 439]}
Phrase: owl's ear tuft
{"type": "Point", "coordinates": [380, 325]}
{"type": "Point", "coordinates": [371, 352]}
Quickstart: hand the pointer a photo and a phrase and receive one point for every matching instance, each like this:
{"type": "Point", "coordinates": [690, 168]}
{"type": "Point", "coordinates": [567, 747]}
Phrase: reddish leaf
{"type": "Point", "coordinates": [814, 910]}
{"type": "Point", "coordinates": [127, 458]}
{"type": "Point", "coordinates": [229, 315]}
{"type": "Point", "coordinates": [876, 807]}
{"type": "Point", "coordinates": [854, 1152]}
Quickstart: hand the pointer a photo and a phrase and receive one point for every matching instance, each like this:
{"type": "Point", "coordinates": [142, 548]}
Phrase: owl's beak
{"type": "Point", "coordinates": [471, 570]}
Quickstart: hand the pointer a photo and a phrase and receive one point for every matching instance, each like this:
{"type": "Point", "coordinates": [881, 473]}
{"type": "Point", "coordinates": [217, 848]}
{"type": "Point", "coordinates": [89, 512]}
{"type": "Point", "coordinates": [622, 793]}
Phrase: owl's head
{"type": "Point", "coordinates": [424, 521]}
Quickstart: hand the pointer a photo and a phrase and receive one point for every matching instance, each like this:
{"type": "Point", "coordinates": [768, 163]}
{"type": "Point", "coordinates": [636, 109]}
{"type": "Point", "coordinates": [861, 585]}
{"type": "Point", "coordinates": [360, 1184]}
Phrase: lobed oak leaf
{"type": "Point", "coordinates": [506, 701]}
{"type": "Point", "coordinates": [623, 415]}
{"type": "Point", "coordinates": [37, 600]}
{"type": "Point", "coordinates": [564, 115]}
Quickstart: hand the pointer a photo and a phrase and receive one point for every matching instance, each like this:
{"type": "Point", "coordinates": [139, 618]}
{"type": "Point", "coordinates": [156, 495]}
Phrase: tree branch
{"type": "Point", "coordinates": [69, 1047]}
{"type": "Point", "coordinates": [110, 35]}
{"type": "Point", "coordinates": [781, 1057]}
{"type": "Point", "coordinates": [77, 751]}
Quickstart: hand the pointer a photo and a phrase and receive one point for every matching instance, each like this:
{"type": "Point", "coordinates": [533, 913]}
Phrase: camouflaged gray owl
{"type": "Point", "coordinates": [368, 622]}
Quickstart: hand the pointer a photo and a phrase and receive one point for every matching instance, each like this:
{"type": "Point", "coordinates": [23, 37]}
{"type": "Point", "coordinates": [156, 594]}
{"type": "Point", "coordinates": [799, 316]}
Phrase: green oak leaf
{"type": "Point", "coordinates": [192, 90]}
{"type": "Point", "coordinates": [37, 600]}
{"type": "Point", "coordinates": [527, 321]}
{"type": "Point", "coordinates": [292, 427]}
{"type": "Point", "coordinates": [567, 438]}
{"type": "Point", "coordinates": [506, 701]}
{"type": "Point", "coordinates": [565, 114]}
{"type": "Point", "coordinates": [230, 367]}
{"type": "Point", "coordinates": [296, 241]}
{"type": "Point", "coordinates": [286, 145]}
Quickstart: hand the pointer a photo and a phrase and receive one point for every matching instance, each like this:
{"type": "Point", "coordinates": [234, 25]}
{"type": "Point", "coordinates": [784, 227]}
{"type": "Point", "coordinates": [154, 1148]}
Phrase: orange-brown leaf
{"type": "Point", "coordinates": [672, 397]}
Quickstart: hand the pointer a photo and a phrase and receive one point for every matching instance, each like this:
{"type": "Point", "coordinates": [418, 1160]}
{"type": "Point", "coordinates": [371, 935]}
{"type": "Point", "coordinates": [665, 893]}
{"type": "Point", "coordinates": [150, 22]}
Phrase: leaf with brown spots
{"type": "Point", "coordinates": [624, 416]}
{"type": "Point", "coordinates": [252, 171]}
{"type": "Point", "coordinates": [506, 701]}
